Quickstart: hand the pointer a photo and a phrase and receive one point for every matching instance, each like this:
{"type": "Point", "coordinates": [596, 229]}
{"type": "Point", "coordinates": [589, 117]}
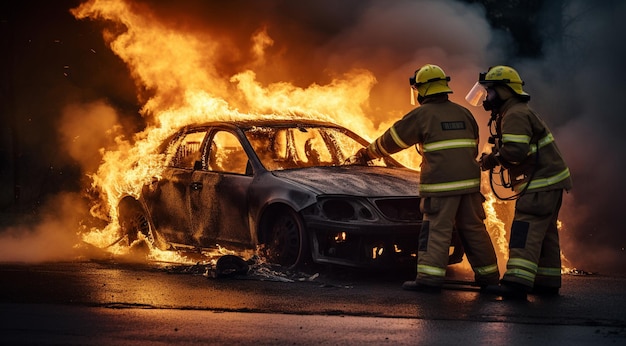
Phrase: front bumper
{"type": "Point", "coordinates": [364, 245]}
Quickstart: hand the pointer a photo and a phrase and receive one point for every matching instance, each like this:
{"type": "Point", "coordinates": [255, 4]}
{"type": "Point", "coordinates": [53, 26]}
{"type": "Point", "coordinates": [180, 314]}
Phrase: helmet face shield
{"type": "Point", "coordinates": [504, 75]}
{"type": "Point", "coordinates": [413, 80]}
{"type": "Point", "coordinates": [476, 95]}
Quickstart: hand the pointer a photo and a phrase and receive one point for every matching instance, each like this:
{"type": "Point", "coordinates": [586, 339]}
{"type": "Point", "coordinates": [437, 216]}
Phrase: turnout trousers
{"type": "Point", "coordinates": [534, 250]}
{"type": "Point", "coordinates": [466, 214]}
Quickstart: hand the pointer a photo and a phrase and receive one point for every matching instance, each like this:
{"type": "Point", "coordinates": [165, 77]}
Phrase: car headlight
{"type": "Point", "coordinates": [345, 209]}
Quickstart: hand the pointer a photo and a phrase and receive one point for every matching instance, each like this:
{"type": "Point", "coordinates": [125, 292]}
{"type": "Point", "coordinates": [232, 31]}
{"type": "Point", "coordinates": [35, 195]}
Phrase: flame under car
{"type": "Point", "coordinates": [284, 187]}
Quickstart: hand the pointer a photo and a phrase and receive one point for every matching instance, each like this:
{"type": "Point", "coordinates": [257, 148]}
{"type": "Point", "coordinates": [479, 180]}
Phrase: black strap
{"type": "Point", "coordinates": [496, 137]}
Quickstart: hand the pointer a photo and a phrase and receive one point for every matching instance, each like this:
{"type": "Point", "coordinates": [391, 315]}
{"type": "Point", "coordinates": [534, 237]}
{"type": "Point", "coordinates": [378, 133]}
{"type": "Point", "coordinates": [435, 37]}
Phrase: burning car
{"type": "Point", "coordinates": [284, 187]}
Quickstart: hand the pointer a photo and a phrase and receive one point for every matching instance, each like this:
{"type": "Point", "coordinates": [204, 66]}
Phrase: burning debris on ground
{"type": "Point", "coordinates": [235, 267]}
{"type": "Point", "coordinates": [577, 272]}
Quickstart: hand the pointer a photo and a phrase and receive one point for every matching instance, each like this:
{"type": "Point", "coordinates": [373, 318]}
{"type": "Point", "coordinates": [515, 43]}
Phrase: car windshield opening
{"type": "Point", "coordinates": [280, 148]}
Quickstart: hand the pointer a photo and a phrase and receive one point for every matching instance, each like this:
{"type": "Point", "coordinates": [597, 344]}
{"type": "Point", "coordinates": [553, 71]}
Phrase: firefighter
{"type": "Point", "coordinates": [447, 136]}
{"type": "Point", "coordinates": [528, 162]}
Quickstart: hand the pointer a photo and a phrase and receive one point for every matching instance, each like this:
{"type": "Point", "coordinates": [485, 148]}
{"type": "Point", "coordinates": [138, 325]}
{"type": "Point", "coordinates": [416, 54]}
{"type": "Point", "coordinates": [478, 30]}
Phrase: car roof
{"type": "Point", "coordinates": [261, 122]}
{"type": "Point", "coordinates": [245, 124]}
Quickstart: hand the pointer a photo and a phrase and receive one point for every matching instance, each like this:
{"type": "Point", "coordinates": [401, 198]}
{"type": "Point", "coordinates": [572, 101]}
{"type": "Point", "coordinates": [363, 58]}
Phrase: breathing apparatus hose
{"type": "Point", "coordinates": [504, 183]}
{"type": "Point", "coordinates": [508, 184]}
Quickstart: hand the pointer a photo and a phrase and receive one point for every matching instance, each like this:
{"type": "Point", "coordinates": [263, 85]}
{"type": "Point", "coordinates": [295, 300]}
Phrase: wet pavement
{"type": "Point", "coordinates": [108, 302]}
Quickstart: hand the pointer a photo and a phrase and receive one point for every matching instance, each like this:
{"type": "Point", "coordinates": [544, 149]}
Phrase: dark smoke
{"type": "Point", "coordinates": [577, 87]}
{"type": "Point", "coordinates": [574, 81]}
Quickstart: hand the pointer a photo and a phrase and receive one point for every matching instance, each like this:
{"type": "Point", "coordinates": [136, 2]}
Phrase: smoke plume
{"type": "Point", "coordinates": [576, 87]}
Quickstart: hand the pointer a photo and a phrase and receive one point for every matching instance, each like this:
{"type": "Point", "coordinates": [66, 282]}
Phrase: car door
{"type": "Point", "coordinates": [167, 197]}
{"type": "Point", "coordinates": [218, 195]}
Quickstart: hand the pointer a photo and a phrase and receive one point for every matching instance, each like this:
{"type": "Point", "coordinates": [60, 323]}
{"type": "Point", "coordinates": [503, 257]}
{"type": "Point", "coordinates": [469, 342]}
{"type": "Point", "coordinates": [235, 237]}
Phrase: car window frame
{"type": "Point", "coordinates": [241, 140]}
{"type": "Point", "coordinates": [174, 143]}
{"type": "Point", "coordinates": [324, 128]}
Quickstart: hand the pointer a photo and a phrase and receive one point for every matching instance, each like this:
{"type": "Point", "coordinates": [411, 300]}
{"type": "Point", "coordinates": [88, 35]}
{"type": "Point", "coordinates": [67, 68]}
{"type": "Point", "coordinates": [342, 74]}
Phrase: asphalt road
{"type": "Point", "coordinates": [111, 302]}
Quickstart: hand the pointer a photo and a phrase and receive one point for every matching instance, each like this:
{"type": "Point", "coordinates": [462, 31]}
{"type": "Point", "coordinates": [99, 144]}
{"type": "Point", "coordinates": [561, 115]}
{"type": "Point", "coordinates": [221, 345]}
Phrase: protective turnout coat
{"type": "Point", "coordinates": [527, 148]}
{"type": "Point", "coordinates": [445, 133]}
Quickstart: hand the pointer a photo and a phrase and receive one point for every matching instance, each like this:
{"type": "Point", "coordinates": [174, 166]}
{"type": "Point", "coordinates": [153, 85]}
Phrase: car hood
{"type": "Point", "coordinates": [355, 180]}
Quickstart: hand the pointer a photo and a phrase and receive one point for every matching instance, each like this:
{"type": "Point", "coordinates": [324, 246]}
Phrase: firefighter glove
{"type": "Point", "coordinates": [488, 161]}
{"type": "Point", "coordinates": [360, 158]}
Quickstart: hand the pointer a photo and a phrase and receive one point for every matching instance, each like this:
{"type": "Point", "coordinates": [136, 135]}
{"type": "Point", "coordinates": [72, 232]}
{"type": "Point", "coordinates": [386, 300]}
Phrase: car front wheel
{"type": "Point", "coordinates": [286, 242]}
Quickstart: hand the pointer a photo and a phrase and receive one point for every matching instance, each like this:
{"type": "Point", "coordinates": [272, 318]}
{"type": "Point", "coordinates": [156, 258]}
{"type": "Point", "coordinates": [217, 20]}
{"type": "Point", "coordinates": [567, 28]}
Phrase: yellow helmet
{"type": "Point", "coordinates": [430, 80]}
{"type": "Point", "coordinates": [504, 75]}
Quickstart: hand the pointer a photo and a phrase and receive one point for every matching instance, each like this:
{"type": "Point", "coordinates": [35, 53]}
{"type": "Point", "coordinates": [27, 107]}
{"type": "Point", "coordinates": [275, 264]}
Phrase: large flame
{"type": "Point", "coordinates": [496, 212]}
{"type": "Point", "coordinates": [180, 71]}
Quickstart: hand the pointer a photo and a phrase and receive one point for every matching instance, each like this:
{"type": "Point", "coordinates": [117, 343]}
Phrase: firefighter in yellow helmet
{"type": "Point", "coordinates": [447, 136]}
{"type": "Point", "coordinates": [530, 163]}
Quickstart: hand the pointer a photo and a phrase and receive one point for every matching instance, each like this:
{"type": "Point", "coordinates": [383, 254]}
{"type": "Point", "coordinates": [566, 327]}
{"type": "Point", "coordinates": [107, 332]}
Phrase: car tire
{"type": "Point", "coordinates": [134, 220]}
{"type": "Point", "coordinates": [286, 241]}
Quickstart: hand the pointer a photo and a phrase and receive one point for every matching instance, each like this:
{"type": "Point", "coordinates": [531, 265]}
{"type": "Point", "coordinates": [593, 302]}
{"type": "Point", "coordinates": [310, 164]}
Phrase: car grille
{"type": "Point", "coordinates": [401, 209]}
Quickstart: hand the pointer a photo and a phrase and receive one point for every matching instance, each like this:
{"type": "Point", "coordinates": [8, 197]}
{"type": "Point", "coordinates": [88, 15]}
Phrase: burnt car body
{"type": "Point", "coordinates": [284, 187]}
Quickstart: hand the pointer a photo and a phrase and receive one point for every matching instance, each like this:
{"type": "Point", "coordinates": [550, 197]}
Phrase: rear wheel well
{"type": "Point", "coordinates": [127, 202]}
{"type": "Point", "coordinates": [133, 219]}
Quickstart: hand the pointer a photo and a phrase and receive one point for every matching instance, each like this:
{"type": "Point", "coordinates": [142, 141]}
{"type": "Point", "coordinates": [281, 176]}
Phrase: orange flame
{"type": "Point", "coordinates": [496, 211]}
{"type": "Point", "coordinates": [180, 69]}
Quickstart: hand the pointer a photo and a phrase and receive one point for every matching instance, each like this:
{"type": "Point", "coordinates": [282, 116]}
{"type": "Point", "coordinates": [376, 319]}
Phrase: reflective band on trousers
{"type": "Point", "coordinates": [527, 269]}
{"type": "Point", "coordinates": [486, 270]}
{"type": "Point", "coordinates": [524, 263]}
{"type": "Point", "coordinates": [450, 186]}
{"type": "Point", "coordinates": [543, 182]}
{"type": "Point", "coordinates": [449, 144]}
{"type": "Point", "coordinates": [521, 273]}
{"type": "Point", "coordinates": [545, 271]}
{"type": "Point", "coordinates": [430, 270]}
